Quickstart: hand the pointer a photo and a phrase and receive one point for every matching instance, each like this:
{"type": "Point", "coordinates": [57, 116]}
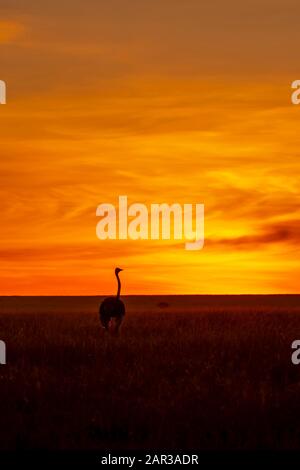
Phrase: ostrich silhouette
{"type": "Point", "coordinates": [112, 308]}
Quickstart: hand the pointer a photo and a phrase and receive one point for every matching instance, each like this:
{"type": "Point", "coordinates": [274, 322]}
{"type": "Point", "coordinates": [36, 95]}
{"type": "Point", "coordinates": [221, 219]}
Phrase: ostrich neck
{"type": "Point", "coordinates": [119, 286]}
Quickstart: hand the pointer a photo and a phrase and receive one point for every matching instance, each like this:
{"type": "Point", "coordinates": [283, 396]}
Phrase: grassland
{"type": "Point", "coordinates": [195, 372]}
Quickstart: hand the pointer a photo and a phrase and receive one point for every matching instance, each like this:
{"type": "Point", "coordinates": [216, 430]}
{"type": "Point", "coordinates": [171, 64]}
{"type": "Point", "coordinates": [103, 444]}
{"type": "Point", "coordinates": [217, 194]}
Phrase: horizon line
{"type": "Point", "coordinates": [150, 295]}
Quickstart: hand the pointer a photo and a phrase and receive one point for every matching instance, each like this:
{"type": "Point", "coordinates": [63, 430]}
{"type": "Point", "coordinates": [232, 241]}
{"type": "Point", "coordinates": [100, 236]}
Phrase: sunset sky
{"type": "Point", "coordinates": [163, 101]}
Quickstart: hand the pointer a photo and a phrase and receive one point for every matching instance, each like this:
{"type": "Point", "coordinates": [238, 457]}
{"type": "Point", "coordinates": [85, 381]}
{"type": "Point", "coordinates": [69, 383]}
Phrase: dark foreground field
{"type": "Point", "coordinates": [197, 372]}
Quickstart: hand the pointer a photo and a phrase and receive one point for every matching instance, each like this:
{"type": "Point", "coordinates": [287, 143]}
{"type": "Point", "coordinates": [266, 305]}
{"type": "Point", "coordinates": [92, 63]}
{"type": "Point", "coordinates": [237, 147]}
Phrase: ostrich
{"type": "Point", "coordinates": [112, 308]}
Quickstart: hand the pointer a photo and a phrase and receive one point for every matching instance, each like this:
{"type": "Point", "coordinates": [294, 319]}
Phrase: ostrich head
{"type": "Point", "coordinates": [117, 270]}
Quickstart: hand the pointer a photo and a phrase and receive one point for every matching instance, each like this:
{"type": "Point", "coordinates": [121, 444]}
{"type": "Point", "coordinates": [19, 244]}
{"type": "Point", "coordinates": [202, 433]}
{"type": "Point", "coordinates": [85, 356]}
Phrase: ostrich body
{"type": "Point", "coordinates": [112, 308]}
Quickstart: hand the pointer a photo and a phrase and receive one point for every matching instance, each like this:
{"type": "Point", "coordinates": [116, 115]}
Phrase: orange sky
{"type": "Point", "coordinates": [164, 101]}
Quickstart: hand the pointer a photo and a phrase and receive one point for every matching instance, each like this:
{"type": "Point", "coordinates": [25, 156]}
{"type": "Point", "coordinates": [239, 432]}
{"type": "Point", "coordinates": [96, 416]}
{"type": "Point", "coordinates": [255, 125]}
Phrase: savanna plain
{"type": "Point", "coordinates": [185, 372]}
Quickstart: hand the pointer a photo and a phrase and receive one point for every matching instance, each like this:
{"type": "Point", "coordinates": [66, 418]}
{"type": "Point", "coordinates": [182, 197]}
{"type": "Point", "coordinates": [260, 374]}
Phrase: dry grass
{"type": "Point", "coordinates": [216, 374]}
